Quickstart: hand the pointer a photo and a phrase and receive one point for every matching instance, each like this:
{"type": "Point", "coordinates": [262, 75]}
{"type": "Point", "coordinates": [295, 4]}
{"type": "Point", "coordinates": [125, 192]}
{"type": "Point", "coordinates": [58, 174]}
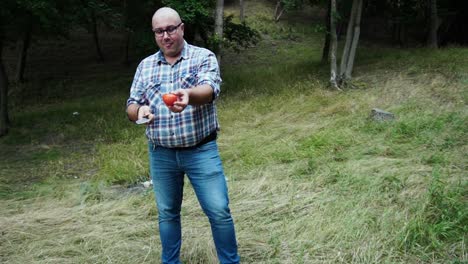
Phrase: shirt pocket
{"type": "Point", "coordinates": [152, 92]}
{"type": "Point", "coordinates": [188, 81]}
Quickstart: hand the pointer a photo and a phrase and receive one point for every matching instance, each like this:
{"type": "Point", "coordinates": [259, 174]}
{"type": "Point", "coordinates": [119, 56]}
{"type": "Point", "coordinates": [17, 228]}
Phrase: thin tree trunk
{"type": "Point", "coordinates": [349, 39]}
{"type": "Point", "coordinates": [434, 24]}
{"type": "Point", "coordinates": [326, 46]}
{"type": "Point", "coordinates": [278, 11]}
{"type": "Point", "coordinates": [400, 31]}
{"type": "Point", "coordinates": [24, 43]}
{"type": "Point", "coordinates": [278, 4]}
{"type": "Point", "coordinates": [4, 118]}
{"type": "Point", "coordinates": [94, 31]}
{"type": "Point", "coordinates": [241, 11]}
{"type": "Point", "coordinates": [356, 33]}
{"type": "Point", "coordinates": [125, 57]}
{"type": "Point", "coordinates": [219, 28]}
{"type": "Point", "coordinates": [334, 44]}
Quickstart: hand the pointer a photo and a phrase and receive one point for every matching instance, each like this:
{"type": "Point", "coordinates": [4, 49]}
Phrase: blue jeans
{"type": "Point", "coordinates": [204, 170]}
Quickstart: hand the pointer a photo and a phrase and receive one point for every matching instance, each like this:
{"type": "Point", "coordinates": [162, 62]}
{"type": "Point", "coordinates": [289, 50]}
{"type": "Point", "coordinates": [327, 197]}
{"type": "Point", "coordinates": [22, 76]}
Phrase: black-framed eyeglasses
{"type": "Point", "coordinates": [170, 30]}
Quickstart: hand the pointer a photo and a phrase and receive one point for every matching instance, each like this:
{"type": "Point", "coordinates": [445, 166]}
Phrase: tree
{"type": "Point", "coordinates": [326, 45]}
{"type": "Point", "coordinates": [218, 31]}
{"type": "Point", "coordinates": [343, 77]}
{"type": "Point", "coordinates": [198, 17]}
{"type": "Point", "coordinates": [7, 10]}
{"type": "Point", "coordinates": [334, 44]}
{"type": "Point", "coordinates": [91, 12]}
{"type": "Point", "coordinates": [132, 20]}
{"type": "Point", "coordinates": [432, 41]}
{"type": "Point", "coordinates": [286, 5]}
{"type": "Point", "coordinates": [241, 11]}
{"type": "Point", "coordinates": [44, 15]}
{"type": "Point", "coordinates": [16, 16]}
{"type": "Point", "coordinates": [126, 29]}
{"type": "Point", "coordinates": [352, 38]}
{"type": "Point", "coordinates": [4, 117]}
{"type": "Point", "coordinates": [23, 44]}
{"type": "Point", "coordinates": [200, 26]}
{"type": "Point", "coordinates": [452, 19]}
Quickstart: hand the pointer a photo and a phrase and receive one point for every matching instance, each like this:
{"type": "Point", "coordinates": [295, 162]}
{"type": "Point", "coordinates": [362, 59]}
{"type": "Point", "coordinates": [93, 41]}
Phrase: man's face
{"type": "Point", "coordinates": [169, 35]}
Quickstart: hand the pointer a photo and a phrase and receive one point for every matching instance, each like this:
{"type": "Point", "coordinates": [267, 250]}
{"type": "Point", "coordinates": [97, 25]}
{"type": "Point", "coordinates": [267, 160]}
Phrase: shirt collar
{"type": "Point", "coordinates": [183, 55]}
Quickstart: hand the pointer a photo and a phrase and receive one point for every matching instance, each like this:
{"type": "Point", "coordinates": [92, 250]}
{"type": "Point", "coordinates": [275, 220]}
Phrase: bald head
{"type": "Point", "coordinates": [166, 14]}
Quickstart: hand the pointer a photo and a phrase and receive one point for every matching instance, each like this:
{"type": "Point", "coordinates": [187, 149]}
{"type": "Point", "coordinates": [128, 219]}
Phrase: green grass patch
{"type": "Point", "coordinates": [441, 219]}
{"type": "Point", "coordinates": [123, 163]}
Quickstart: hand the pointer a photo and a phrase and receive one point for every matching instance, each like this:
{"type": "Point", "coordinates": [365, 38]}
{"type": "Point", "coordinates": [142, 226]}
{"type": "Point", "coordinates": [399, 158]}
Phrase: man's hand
{"type": "Point", "coordinates": [144, 111]}
{"type": "Point", "coordinates": [198, 95]}
{"type": "Point", "coordinates": [182, 100]}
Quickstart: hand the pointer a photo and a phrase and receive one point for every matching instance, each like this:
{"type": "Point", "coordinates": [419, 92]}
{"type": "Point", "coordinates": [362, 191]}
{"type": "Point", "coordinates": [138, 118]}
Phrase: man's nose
{"type": "Point", "coordinates": [165, 34]}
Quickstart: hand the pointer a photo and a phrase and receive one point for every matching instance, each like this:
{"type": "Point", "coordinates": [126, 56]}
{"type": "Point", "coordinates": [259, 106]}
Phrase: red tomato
{"type": "Point", "coordinates": [169, 99]}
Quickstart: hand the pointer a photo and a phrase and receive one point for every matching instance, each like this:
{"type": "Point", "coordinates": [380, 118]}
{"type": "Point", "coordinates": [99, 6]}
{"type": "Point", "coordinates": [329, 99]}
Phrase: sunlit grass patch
{"type": "Point", "coordinates": [123, 163]}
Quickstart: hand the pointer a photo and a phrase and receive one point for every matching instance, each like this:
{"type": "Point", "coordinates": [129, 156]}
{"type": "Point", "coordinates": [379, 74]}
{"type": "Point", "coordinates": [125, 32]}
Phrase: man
{"type": "Point", "coordinates": [182, 137]}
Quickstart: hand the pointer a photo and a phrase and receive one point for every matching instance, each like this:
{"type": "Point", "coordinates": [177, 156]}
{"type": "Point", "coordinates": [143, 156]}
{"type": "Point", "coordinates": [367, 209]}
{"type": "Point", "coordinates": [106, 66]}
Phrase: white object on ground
{"type": "Point", "coordinates": [147, 184]}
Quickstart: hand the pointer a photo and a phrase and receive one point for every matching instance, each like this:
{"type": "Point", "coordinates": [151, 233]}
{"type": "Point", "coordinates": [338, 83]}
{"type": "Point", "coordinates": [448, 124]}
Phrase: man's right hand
{"type": "Point", "coordinates": [145, 111]}
{"type": "Point", "coordinates": [135, 112]}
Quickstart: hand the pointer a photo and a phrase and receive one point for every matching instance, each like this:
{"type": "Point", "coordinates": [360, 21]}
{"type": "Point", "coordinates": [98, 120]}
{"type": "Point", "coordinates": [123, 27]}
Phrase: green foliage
{"type": "Point", "coordinates": [238, 36]}
{"type": "Point", "coordinates": [46, 15]}
{"type": "Point", "coordinates": [84, 11]}
{"type": "Point", "coordinates": [413, 16]}
{"type": "Point", "coordinates": [198, 17]}
{"type": "Point", "coordinates": [290, 5]}
{"type": "Point", "coordinates": [193, 11]}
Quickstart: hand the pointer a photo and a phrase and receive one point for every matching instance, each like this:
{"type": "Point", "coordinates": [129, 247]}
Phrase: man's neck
{"type": "Point", "coordinates": [171, 60]}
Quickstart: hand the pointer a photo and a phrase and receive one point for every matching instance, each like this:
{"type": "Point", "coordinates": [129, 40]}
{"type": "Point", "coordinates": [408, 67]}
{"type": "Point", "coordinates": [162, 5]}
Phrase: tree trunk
{"type": "Point", "coordinates": [4, 118]}
{"type": "Point", "coordinates": [219, 28]}
{"type": "Point", "coordinates": [126, 48]}
{"type": "Point", "coordinates": [24, 44]}
{"type": "Point", "coordinates": [434, 24]}
{"type": "Point", "coordinates": [356, 33]}
{"type": "Point", "coordinates": [94, 31]}
{"type": "Point", "coordinates": [126, 38]}
{"type": "Point", "coordinates": [334, 44]}
{"type": "Point", "coordinates": [349, 40]}
{"type": "Point", "coordinates": [279, 9]}
{"type": "Point", "coordinates": [241, 11]}
{"type": "Point", "coordinates": [326, 46]}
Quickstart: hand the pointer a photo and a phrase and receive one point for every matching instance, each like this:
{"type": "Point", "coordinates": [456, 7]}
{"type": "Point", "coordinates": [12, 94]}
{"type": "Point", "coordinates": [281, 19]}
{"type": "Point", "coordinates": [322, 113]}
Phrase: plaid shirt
{"type": "Point", "coordinates": [155, 77]}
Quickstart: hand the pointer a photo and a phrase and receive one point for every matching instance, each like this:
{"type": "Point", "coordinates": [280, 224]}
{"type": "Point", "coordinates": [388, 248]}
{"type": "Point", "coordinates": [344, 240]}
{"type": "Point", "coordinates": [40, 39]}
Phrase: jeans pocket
{"type": "Point", "coordinates": [152, 147]}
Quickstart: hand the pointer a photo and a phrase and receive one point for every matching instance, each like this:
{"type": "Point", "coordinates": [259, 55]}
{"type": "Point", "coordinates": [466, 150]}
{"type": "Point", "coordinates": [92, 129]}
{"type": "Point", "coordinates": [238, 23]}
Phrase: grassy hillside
{"type": "Point", "coordinates": [312, 178]}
